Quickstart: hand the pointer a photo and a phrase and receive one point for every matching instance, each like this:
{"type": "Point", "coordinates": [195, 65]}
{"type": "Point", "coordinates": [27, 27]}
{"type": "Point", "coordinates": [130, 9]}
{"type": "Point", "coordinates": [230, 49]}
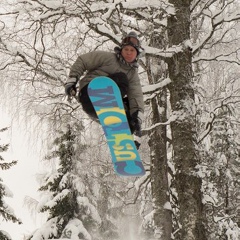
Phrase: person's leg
{"type": "Point", "coordinates": [136, 132]}
{"type": "Point", "coordinates": [121, 80]}
{"type": "Point", "coordinates": [126, 107]}
{"type": "Point", "coordinates": [86, 103]}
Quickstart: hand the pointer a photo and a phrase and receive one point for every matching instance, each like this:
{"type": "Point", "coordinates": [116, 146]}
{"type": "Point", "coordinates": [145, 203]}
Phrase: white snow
{"type": "Point", "coordinates": [73, 230]}
{"type": "Point", "coordinates": [47, 230]}
{"type": "Point", "coordinates": [7, 191]}
{"type": "Point", "coordinates": [6, 234]}
{"type": "Point", "coordinates": [167, 206]}
{"type": "Point", "coordinates": [57, 198]}
{"type": "Point", "coordinates": [91, 209]}
{"type": "Point", "coordinates": [153, 87]}
{"type": "Point", "coordinates": [54, 4]}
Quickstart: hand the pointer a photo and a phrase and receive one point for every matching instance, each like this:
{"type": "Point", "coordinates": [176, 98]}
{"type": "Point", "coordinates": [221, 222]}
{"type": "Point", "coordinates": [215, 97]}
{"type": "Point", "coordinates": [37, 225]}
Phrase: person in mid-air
{"type": "Point", "coordinates": [122, 67]}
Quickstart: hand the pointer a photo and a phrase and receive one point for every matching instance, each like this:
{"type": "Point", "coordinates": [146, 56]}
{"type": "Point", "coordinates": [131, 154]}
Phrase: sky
{"type": "Point", "coordinates": [21, 178]}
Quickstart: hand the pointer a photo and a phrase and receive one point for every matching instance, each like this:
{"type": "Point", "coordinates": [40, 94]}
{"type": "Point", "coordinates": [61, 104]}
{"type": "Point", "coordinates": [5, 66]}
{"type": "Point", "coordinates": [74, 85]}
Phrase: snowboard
{"type": "Point", "coordinates": [107, 101]}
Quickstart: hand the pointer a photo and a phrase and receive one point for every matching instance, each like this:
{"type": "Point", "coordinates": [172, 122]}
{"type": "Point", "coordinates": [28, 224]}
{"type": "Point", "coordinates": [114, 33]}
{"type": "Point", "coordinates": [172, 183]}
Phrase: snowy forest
{"type": "Point", "coordinates": [189, 70]}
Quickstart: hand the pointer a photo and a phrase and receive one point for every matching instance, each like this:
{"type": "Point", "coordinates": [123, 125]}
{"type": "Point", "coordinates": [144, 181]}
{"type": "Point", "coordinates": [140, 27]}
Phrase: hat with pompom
{"type": "Point", "coordinates": [131, 39]}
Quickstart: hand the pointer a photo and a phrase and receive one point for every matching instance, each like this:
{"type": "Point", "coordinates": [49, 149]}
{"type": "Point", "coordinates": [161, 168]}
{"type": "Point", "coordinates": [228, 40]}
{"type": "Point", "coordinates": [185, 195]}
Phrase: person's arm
{"type": "Point", "coordinates": [135, 95]}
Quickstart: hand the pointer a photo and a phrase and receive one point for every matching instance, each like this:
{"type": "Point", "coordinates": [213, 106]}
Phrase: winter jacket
{"type": "Point", "coordinates": [100, 63]}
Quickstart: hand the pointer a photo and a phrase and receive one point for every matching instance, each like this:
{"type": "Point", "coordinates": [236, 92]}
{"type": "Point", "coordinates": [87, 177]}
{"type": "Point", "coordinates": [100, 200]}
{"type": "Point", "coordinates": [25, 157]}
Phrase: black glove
{"type": "Point", "coordinates": [137, 143]}
{"type": "Point", "coordinates": [70, 88]}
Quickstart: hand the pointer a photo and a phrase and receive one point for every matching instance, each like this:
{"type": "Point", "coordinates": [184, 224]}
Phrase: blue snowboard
{"type": "Point", "coordinates": [107, 101]}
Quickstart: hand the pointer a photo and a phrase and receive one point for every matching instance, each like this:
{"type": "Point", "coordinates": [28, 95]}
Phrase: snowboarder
{"type": "Point", "coordinates": [122, 67]}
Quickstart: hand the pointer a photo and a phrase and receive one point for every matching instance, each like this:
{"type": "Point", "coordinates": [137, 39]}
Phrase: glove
{"type": "Point", "coordinates": [70, 88]}
{"type": "Point", "coordinates": [137, 141]}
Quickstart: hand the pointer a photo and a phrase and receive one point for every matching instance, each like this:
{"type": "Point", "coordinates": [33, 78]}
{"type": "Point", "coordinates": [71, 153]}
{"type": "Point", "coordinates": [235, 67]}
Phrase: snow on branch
{"type": "Point", "coordinates": [74, 229]}
{"type": "Point", "coordinates": [7, 191]}
{"type": "Point", "coordinates": [58, 197]}
{"type": "Point", "coordinates": [51, 4]}
{"type": "Point", "coordinates": [169, 52]}
{"type": "Point", "coordinates": [48, 230]}
{"type": "Point", "coordinates": [173, 118]}
{"type": "Point", "coordinates": [216, 18]}
{"type": "Point", "coordinates": [19, 56]}
{"type": "Point", "coordinates": [5, 235]}
{"type": "Point", "coordinates": [133, 5]}
{"type": "Point", "coordinates": [155, 87]}
{"type": "Point", "coordinates": [163, 53]}
{"type": "Point", "coordinates": [84, 201]}
{"type": "Point", "coordinates": [221, 58]}
{"type": "Point", "coordinates": [209, 125]}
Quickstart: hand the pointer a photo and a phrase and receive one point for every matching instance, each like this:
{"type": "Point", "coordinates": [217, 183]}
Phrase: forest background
{"type": "Point", "coordinates": [190, 76]}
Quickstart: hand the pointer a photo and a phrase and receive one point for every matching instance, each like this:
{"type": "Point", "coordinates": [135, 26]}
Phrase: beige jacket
{"type": "Point", "coordinates": [100, 63]}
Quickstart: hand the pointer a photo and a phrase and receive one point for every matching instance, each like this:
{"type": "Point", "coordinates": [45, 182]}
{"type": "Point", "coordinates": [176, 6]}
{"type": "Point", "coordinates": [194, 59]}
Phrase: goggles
{"type": "Point", "coordinates": [131, 41]}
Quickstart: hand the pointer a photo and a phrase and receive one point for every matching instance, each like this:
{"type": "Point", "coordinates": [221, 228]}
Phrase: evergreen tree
{"type": "Point", "coordinates": [81, 200]}
{"type": "Point", "coordinates": [71, 212]}
{"type": "Point", "coordinates": [6, 212]}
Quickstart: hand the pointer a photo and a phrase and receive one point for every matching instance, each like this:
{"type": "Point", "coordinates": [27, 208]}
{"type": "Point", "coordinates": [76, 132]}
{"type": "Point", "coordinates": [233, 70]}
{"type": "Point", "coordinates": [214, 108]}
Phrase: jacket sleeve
{"type": "Point", "coordinates": [87, 62]}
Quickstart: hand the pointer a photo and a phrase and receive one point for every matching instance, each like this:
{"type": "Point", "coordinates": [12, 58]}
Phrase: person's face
{"type": "Point", "coordinates": [129, 53]}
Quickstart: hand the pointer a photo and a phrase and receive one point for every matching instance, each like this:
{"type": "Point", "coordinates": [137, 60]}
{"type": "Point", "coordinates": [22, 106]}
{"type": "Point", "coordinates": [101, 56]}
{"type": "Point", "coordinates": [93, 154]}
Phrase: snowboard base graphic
{"type": "Point", "coordinates": [107, 101]}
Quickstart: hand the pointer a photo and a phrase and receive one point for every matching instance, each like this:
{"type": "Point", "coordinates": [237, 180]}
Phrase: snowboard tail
{"type": "Point", "coordinates": [107, 101]}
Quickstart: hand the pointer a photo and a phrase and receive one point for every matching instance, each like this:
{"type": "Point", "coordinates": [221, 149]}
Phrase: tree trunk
{"type": "Point", "coordinates": [159, 172]}
{"type": "Point", "coordinates": [188, 184]}
{"type": "Point", "coordinates": [158, 148]}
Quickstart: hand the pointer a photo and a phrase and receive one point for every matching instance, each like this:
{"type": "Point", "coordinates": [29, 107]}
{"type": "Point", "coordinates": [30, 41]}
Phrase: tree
{"type": "Point", "coordinates": [67, 195]}
{"type": "Point", "coordinates": [222, 163]}
{"type": "Point", "coordinates": [158, 143]}
{"type": "Point", "coordinates": [6, 212]}
{"type": "Point", "coordinates": [183, 130]}
{"type": "Point", "coordinates": [217, 91]}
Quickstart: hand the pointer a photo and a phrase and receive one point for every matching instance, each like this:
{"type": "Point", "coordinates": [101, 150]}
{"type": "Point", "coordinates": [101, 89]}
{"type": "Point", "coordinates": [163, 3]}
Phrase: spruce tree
{"type": "Point", "coordinates": [6, 212]}
{"type": "Point", "coordinates": [72, 212]}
